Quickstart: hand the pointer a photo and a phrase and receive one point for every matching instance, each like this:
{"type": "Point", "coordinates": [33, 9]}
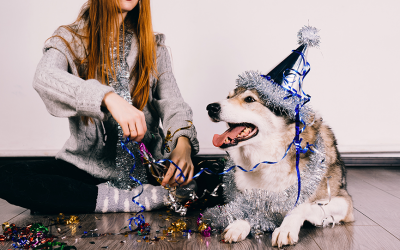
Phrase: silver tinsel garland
{"type": "Point", "coordinates": [124, 161]}
{"type": "Point", "coordinates": [274, 95]}
{"type": "Point", "coordinates": [265, 210]}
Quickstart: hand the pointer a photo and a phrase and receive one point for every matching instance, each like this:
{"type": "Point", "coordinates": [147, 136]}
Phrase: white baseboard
{"type": "Point", "coordinates": [370, 154]}
{"type": "Point", "coordinates": [28, 153]}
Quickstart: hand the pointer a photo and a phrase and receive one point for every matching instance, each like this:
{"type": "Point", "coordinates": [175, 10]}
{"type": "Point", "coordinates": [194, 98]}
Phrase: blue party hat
{"type": "Point", "coordinates": [282, 88]}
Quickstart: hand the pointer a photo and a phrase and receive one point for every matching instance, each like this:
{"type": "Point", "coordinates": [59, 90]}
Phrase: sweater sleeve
{"type": "Point", "coordinates": [64, 94]}
{"type": "Point", "coordinates": [174, 111]}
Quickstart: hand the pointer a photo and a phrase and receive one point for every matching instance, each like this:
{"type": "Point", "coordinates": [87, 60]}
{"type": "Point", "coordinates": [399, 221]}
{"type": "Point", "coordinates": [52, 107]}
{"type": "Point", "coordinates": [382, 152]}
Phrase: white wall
{"type": "Point", "coordinates": [353, 81]}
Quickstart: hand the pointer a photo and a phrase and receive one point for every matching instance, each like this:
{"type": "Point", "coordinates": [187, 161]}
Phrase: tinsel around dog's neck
{"type": "Point", "coordinates": [265, 210]}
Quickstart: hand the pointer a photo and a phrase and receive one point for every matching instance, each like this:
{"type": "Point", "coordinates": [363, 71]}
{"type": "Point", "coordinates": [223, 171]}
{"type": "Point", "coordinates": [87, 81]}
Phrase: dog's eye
{"type": "Point", "coordinates": [249, 99]}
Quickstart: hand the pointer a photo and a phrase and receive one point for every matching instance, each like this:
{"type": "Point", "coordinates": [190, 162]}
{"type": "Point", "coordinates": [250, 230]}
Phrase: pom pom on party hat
{"type": "Point", "coordinates": [295, 66]}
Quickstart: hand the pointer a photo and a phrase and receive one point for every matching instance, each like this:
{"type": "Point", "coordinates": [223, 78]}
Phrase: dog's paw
{"type": "Point", "coordinates": [237, 231]}
{"type": "Point", "coordinates": [285, 235]}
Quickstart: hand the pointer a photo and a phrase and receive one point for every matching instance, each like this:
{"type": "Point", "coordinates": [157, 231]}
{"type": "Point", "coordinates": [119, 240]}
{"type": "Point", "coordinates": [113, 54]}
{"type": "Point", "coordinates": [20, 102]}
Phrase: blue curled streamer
{"type": "Point", "coordinates": [297, 142]}
{"type": "Point", "coordinates": [300, 76]}
{"type": "Point", "coordinates": [287, 86]}
{"type": "Point", "coordinates": [139, 219]}
{"type": "Point", "coordinates": [305, 98]}
{"type": "Point", "coordinates": [241, 168]}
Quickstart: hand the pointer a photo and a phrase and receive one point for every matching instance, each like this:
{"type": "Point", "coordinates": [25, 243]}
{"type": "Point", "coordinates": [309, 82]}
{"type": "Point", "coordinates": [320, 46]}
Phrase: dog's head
{"type": "Point", "coordinates": [248, 117]}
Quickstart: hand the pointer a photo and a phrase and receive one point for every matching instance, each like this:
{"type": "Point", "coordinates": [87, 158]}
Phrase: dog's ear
{"type": "Point", "coordinates": [231, 94]}
{"type": "Point", "coordinates": [236, 92]}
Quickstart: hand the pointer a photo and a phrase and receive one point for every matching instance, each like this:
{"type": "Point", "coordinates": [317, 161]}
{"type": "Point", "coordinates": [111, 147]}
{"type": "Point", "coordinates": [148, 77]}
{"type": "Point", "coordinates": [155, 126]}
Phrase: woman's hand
{"type": "Point", "coordinates": [181, 156]}
{"type": "Point", "coordinates": [129, 118]}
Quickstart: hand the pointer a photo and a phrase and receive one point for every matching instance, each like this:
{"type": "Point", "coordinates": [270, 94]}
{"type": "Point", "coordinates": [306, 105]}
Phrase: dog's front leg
{"type": "Point", "coordinates": [335, 211]}
{"type": "Point", "coordinates": [288, 232]}
{"type": "Point", "coordinates": [236, 231]}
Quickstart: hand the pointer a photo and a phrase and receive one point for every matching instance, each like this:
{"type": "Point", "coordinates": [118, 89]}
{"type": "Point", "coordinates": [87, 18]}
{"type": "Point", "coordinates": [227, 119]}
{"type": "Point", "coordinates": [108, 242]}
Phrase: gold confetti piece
{"type": "Point", "coordinates": [202, 226]}
{"type": "Point", "coordinates": [170, 135]}
{"type": "Point", "coordinates": [147, 241]}
{"type": "Point", "coordinates": [177, 226]}
{"type": "Point", "coordinates": [160, 215]}
{"type": "Point", "coordinates": [139, 241]}
{"type": "Point", "coordinates": [71, 220]}
{"type": "Point", "coordinates": [168, 211]}
{"type": "Point", "coordinates": [5, 225]}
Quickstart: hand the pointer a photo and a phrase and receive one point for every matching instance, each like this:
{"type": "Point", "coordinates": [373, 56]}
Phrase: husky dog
{"type": "Point", "coordinates": [258, 132]}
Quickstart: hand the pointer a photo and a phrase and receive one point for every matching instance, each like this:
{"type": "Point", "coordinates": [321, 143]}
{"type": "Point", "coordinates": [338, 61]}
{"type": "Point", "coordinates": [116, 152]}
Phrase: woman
{"type": "Point", "coordinates": [111, 76]}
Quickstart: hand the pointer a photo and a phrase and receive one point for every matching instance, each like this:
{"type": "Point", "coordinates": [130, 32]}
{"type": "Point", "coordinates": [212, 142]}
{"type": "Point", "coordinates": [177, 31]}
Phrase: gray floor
{"type": "Point", "coordinates": [375, 191]}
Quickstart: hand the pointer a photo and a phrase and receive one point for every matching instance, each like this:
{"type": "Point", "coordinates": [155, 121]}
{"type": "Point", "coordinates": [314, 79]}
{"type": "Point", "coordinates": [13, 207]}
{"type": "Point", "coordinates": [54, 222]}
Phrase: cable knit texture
{"type": "Point", "coordinates": [66, 95]}
{"type": "Point", "coordinates": [111, 199]}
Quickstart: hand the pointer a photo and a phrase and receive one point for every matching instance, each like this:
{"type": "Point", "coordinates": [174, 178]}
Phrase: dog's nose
{"type": "Point", "coordinates": [213, 109]}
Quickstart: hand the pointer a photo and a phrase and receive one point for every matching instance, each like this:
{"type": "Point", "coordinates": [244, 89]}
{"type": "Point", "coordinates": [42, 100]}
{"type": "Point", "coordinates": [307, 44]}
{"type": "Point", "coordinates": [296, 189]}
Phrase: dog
{"type": "Point", "coordinates": [258, 132]}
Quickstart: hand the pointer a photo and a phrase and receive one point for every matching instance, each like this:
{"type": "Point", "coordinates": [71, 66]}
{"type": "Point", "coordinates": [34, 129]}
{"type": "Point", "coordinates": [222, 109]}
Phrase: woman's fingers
{"type": "Point", "coordinates": [136, 131]}
{"type": "Point", "coordinates": [131, 120]}
{"type": "Point", "coordinates": [125, 129]}
{"type": "Point", "coordinates": [136, 128]}
{"type": "Point", "coordinates": [173, 174]}
{"type": "Point", "coordinates": [133, 131]}
{"type": "Point", "coordinates": [189, 176]}
{"type": "Point", "coordinates": [178, 179]}
{"type": "Point", "coordinates": [181, 156]}
{"type": "Point", "coordinates": [140, 128]}
{"type": "Point", "coordinates": [168, 175]}
{"type": "Point", "coordinates": [185, 171]}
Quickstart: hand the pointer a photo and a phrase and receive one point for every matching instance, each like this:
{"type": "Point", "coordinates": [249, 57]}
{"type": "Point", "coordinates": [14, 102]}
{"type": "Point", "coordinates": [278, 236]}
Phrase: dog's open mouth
{"type": "Point", "coordinates": [236, 133]}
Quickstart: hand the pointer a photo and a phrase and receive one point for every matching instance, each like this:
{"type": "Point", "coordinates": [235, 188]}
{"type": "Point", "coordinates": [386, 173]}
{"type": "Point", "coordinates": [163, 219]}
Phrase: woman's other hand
{"type": "Point", "coordinates": [181, 156]}
{"type": "Point", "coordinates": [129, 118]}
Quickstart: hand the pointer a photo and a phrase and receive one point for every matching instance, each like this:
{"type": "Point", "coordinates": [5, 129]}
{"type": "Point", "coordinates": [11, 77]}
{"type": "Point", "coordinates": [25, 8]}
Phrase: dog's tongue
{"type": "Point", "coordinates": [218, 140]}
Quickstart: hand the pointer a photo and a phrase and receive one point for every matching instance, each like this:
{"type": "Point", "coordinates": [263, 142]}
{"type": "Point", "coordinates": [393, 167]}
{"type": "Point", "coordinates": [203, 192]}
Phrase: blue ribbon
{"type": "Point", "coordinates": [304, 98]}
{"type": "Point", "coordinates": [241, 168]}
{"type": "Point", "coordinates": [299, 77]}
{"type": "Point", "coordinates": [138, 219]}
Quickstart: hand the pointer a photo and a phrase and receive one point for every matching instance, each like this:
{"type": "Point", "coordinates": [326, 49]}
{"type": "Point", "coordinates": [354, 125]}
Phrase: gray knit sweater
{"type": "Point", "coordinates": [66, 95]}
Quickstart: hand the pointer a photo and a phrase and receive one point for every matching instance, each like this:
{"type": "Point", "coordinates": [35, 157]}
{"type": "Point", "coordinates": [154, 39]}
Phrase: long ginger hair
{"type": "Point", "coordinates": [100, 19]}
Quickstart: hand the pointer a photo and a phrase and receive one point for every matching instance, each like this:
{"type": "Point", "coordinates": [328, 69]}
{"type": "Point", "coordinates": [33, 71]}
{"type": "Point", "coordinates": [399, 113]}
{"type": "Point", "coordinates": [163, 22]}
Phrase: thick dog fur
{"type": "Point", "coordinates": [276, 132]}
